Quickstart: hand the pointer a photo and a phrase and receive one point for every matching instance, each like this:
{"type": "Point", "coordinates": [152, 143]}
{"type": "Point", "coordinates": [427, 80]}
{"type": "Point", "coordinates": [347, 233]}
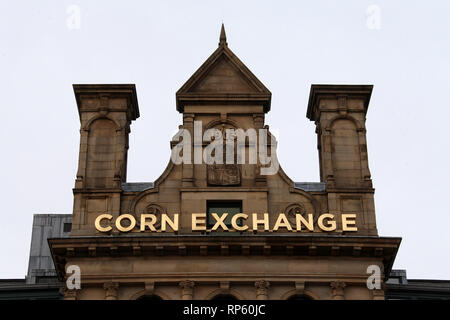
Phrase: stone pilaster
{"type": "Point", "coordinates": [187, 289]}
{"type": "Point", "coordinates": [188, 169]}
{"type": "Point", "coordinates": [262, 287]}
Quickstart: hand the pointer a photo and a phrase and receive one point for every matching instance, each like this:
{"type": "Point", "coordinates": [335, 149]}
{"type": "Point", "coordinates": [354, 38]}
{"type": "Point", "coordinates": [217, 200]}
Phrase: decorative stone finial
{"type": "Point", "coordinates": [223, 37]}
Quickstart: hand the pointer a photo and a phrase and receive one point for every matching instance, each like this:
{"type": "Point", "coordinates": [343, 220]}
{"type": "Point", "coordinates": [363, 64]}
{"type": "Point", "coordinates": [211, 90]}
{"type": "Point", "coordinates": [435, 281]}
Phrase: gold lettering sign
{"type": "Point", "coordinates": [326, 222]}
{"type": "Point", "coordinates": [98, 225]}
{"type": "Point", "coordinates": [198, 221]}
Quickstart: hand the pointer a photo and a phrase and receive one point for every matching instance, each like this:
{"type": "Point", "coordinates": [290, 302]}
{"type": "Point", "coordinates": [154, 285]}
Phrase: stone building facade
{"type": "Point", "coordinates": [213, 264]}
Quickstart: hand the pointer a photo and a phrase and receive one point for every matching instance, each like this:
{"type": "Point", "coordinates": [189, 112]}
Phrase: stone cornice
{"type": "Point", "coordinates": [384, 248]}
{"type": "Point", "coordinates": [225, 189]}
{"type": "Point", "coordinates": [335, 91]}
{"type": "Point", "coordinates": [110, 90]}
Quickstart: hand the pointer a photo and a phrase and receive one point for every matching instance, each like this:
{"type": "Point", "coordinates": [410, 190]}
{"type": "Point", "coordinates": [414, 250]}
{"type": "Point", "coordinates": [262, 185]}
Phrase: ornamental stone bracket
{"type": "Point", "coordinates": [300, 287]}
{"type": "Point", "coordinates": [69, 294]}
{"type": "Point", "coordinates": [262, 287]}
{"type": "Point", "coordinates": [337, 290]}
{"type": "Point", "coordinates": [111, 290]}
{"type": "Point", "coordinates": [187, 289]}
{"type": "Point", "coordinates": [149, 287]}
{"type": "Point", "coordinates": [378, 294]}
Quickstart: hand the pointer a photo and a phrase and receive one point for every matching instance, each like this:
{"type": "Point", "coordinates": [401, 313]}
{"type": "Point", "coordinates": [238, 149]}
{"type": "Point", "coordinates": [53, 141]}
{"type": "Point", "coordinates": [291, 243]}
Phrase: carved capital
{"type": "Point", "coordinates": [188, 117]}
{"type": "Point", "coordinates": [262, 287]}
{"type": "Point", "coordinates": [225, 285]}
{"type": "Point", "coordinates": [342, 101]}
{"type": "Point", "coordinates": [69, 294]}
{"type": "Point", "coordinates": [378, 294]}
{"type": "Point", "coordinates": [187, 289]}
{"type": "Point", "coordinates": [111, 290]}
{"type": "Point", "coordinates": [337, 290]}
{"type": "Point", "coordinates": [258, 120]}
{"type": "Point", "coordinates": [187, 284]}
{"type": "Point", "coordinates": [361, 130]}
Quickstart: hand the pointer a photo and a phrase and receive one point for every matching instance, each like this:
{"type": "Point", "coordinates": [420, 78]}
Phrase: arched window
{"type": "Point", "coordinates": [224, 296]}
{"type": "Point", "coordinates": [299, 297]}
{"type": "Point", "coordinates": [346, 153]}
{"type": "Point", "coordinates": [150, 297]}
{"type": "Point", "coordinates": [101, 157]}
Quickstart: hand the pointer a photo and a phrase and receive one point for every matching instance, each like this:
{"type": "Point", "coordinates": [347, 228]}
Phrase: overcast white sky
{"type": "Point", "coordinates": [289, 45]}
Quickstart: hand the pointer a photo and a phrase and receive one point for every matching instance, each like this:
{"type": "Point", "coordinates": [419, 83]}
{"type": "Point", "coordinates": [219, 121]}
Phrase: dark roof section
{"type": "Point", "coordinates": [311, 186]}
{"type": "Point", "coordinates": [137, 186]}
{"type": "Point", "coordinates": [398, 286]}
{"type": "Point", "coordinates": [18, 289]}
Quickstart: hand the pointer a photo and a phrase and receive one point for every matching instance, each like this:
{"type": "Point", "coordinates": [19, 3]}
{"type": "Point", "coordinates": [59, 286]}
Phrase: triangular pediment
{"type": "Point", "coordinates": [224, 79]}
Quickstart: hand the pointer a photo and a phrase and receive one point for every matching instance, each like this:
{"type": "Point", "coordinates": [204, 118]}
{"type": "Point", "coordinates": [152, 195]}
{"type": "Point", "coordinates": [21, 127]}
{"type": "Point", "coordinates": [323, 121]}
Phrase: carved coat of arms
{"type": "Point", "coordinates": [224, 174]}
